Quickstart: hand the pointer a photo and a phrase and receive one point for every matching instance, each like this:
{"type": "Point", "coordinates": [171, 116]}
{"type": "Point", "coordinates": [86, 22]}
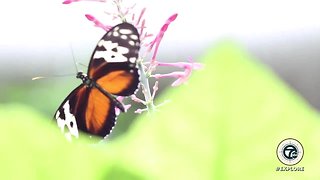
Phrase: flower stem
{"type": "Point", "coordinates": [145, 83]}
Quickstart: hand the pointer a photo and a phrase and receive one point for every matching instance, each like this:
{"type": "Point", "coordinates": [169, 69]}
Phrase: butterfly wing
{"type": "Point", "coordinates": [80, 111]}
{"type": "Point", "coordinates": [113, 62]}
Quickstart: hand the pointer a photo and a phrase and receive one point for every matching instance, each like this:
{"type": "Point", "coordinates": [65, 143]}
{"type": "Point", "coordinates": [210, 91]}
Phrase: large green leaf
{"type": "Point", "coordinates": [226, 124]}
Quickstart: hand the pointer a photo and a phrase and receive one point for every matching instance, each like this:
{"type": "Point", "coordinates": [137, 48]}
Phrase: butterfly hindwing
{"type": "Point", "coordinates": [68, 112]}
{"type": "Point", "coordinates": [100, 116]}
{"type": "Point", "coordinates": [81, 110]}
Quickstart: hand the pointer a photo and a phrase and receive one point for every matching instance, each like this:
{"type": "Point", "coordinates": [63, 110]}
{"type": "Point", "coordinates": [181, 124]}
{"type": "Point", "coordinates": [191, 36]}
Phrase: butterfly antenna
{"type": "Point", "coordinates": [74, 60]}
{"type": "Point", "coordinates": [81, 64]}
{"type": "Point", "coordinates": [63, 75]}
{"type": "Point", "coordinates": [54, 76]}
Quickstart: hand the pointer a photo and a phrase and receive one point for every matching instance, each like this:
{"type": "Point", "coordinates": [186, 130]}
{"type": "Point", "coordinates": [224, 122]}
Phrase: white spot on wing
{"type": "Point", "coordinates": [134, 37]}
{"type": "Point", "coordinates": [69, 118]}
{"type": "Point", "coordinates": [132, 59]}
{"type": "Point", "coordinates": [131, 43]}
{"type": "Point", "coordinates": [109, 55]}
{"type": "Point", "coordinates": [115, 34]}
{"type": "Point", "coordinates": [124, 37]}
{"type": "Point", "coordinates": [125, 31]}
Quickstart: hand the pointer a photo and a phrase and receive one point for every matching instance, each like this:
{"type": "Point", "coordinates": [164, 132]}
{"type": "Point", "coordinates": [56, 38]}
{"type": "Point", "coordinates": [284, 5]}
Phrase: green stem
{"type": "Point", "coordinates": [145, 83]}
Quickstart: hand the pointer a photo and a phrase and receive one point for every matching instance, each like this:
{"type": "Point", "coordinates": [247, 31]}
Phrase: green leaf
{"type": "Point", "coordinates": [33, 148]}
{"type": "Point", "coordinates": [225, 124]}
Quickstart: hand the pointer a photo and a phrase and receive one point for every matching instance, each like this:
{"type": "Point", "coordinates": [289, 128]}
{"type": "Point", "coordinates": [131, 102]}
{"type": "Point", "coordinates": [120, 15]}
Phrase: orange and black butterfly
{"type": "Point", "coordinates": [112, 71]}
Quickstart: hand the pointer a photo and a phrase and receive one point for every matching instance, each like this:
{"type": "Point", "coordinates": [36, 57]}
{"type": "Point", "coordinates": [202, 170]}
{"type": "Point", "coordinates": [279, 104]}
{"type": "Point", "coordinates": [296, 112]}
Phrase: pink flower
{"type": "Point", "coordinates": [97, 23]}
{"type": "Point", "coordinates": [185, 65]}
{"type": "Point", "coordinates": [182, 76]}
{"type": "Point", "coordinates": [126, 106]}
{"type": "Point", "coordinates": [160, 35]}
{"type": "Point", "coordinates": [71, 1]}
{"type": "Point", "coordinates": [140, 16]}
{"type": "Point", "coordinates": [138, 100]}
{"type": "Point", "coordinates": [139, 111]}
{"type": "Point", "coordinates": [155, 89]}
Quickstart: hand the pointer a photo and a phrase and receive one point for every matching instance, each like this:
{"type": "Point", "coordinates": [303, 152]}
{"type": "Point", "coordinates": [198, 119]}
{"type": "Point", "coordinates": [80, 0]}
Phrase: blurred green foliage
{"type": "Point", "coordinates": [225, 123]}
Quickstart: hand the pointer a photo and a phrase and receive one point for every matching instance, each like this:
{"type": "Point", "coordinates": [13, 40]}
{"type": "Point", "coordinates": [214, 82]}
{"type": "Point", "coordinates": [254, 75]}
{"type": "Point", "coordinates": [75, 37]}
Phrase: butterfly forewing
{"type": "Point", "coordinates": [114, 60]}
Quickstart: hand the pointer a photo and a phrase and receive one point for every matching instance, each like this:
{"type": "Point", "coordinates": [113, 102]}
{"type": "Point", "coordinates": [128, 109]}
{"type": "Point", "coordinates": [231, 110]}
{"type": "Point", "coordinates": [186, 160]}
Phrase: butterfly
{"type": "Point", "coordinates": [112, 71]}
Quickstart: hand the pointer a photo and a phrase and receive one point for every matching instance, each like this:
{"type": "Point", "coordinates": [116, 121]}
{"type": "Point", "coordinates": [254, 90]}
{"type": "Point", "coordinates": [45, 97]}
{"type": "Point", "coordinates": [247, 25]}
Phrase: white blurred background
{"type": "Point", "coordinates": [37, 37]}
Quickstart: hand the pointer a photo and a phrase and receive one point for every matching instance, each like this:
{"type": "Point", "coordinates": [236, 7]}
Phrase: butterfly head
{"type": "Point", "coordinates": [80, 75]}
{"type": "Point", "coordinates": [85, 79]}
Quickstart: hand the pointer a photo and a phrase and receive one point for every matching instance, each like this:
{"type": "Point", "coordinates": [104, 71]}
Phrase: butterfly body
{"type": "Point", "coordinates": [112, 71]}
